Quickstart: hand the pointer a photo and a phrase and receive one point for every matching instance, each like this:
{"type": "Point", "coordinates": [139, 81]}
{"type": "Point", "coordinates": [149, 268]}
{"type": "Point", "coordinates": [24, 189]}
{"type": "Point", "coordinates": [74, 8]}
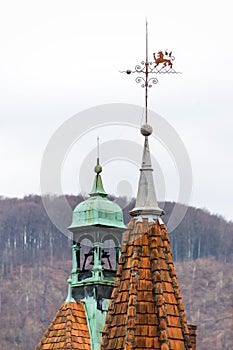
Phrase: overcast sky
{"type": "Point", "coordinates": [61, 57]}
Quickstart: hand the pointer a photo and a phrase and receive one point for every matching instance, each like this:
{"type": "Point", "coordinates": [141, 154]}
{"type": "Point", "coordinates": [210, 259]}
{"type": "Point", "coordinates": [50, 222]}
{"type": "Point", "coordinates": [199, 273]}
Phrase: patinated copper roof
{"type": "Point", "coordinates": [146, 310]}
{"type": "Point", "coordinates": [68, 330]}
{"type": "Point", "coordinates": [97, 209]}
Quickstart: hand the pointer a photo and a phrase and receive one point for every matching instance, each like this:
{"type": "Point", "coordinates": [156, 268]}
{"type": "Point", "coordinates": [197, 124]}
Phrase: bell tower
{"type": "Point", "coordinates": [97, 228]}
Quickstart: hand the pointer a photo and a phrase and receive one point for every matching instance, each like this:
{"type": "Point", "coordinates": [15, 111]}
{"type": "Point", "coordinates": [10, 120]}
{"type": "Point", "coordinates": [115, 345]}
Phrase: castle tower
{"type": "Point", "coordinates": [97, 228]}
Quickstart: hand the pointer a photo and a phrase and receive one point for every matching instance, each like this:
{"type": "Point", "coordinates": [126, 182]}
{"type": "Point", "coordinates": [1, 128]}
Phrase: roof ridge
{"type": "Point", "coordinates": [68, 336]}
{"type": "Point", "coordinates": [132, 303]}
{"type": "Point", "coordinates": [159, 295]}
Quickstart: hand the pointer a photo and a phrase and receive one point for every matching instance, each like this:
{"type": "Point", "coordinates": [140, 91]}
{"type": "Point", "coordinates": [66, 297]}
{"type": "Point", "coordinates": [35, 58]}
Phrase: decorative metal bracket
{"type": "Point", "coordinates": [163, 63]}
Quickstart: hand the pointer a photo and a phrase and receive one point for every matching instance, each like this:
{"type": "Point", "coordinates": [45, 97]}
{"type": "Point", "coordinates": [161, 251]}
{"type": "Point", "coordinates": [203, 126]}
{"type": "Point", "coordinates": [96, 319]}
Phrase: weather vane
{"type": "Point", "coordinates": [163, 63]}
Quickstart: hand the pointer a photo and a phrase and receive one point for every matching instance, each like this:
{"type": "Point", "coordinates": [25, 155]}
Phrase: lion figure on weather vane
{"type": "Point", "coordinates": [165, 58]}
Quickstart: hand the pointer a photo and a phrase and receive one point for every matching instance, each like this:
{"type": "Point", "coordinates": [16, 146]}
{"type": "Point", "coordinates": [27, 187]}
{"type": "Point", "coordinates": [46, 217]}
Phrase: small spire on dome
{"type": "Point", "coordinates": [98, 189]}
{"type": "Point", "coordinates": [98, 167]}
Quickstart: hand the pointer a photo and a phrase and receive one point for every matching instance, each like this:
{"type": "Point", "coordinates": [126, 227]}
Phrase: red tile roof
{"type": "Point", "coordinates": [146, 310]}
{"type": "Point", "coordinates": [68, 330]}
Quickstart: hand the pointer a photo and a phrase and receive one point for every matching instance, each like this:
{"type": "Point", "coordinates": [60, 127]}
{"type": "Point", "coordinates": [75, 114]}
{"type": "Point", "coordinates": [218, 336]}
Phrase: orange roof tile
{"type": "Point", "coordinates": [146, 310]}
{"type": "Point", "coordinates": [68, 330]}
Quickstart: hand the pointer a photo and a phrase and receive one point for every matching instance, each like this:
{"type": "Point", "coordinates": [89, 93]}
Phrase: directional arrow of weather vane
{"type": "Point", "coordinates": [162, 64]}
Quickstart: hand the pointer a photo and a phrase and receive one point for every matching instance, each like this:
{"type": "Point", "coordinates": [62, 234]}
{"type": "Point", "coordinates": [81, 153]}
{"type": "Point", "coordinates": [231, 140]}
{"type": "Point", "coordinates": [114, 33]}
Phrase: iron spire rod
{"type": "Point", "coordinates": [98, 150]}
{"type": "Point", "coordinates": [146, 82]}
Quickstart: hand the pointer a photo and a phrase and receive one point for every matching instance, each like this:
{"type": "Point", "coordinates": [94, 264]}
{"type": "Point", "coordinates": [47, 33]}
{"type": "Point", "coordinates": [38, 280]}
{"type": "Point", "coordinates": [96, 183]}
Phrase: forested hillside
{"type": "Point", "coordinates": [35, 261]}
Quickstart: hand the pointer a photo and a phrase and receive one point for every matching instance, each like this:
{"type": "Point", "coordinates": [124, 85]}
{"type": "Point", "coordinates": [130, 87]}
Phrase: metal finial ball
{"type": "Point", "coordinates": [98, 169]}
{"type": "Point", "coordinates": [146, 130]}
{"type": "Point", "coordinates": [128, 71]}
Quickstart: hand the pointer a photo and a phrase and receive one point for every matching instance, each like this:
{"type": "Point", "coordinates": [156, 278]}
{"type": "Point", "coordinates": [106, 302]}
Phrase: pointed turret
{"type": "Point", "coordinates": [146, 310]}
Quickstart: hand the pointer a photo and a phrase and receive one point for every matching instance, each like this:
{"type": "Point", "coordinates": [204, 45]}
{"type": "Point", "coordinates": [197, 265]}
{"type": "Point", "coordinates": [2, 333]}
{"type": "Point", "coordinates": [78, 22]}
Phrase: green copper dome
{"type": "Point", "coordinates": [98, 209]}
